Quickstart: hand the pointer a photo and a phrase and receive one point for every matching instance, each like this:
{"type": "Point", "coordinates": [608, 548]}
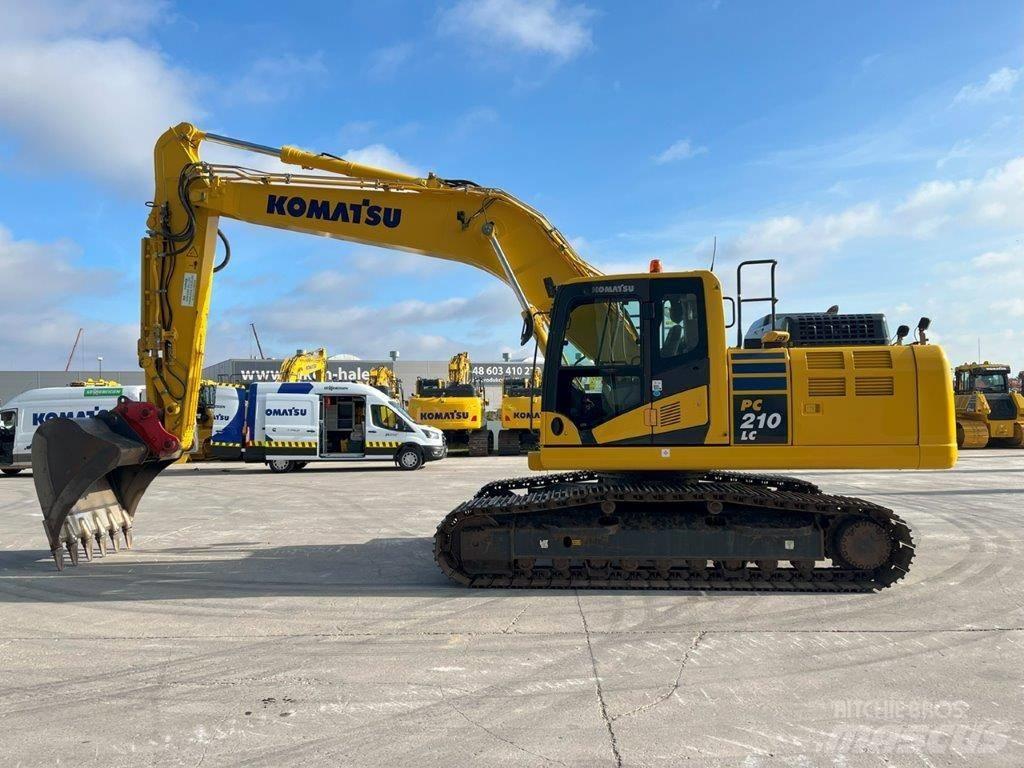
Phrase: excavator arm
{"type": "Point", "coordinates": [90, 474]}
{"type": "Point", "coordinates": [305, 366]}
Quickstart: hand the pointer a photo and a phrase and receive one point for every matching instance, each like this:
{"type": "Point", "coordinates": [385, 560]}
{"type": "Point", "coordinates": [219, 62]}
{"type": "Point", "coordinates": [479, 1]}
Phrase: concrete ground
{"type": "Point", "coordinates": [267, 620]}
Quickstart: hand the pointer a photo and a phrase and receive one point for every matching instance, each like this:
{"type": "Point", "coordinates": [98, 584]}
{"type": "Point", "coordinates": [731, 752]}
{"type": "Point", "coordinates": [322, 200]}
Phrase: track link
{"type": "Point", "coordinates": [559, 500]}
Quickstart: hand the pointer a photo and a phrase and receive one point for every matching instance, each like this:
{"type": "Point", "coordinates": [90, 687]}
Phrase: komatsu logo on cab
{"type": "Point", "coordinates": [444, 415]}
{"type": "Point", "coordinates": [287, 411]}
{"type": "Point", "coordinates": [351, 213]}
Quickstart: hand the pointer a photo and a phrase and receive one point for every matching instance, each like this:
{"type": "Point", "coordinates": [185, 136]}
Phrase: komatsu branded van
{"type": "Point", "coordinates": [292, 423]}
{"type": "Point", "coordinates": [21, 415]}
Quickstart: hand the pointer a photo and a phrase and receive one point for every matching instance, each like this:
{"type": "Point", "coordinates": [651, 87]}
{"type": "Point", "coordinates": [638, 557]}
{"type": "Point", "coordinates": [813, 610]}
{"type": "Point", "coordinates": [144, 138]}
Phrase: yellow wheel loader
{"type": "Point", "coordinates": [455, 406]}
{"type": "Point", "coordinates": [519, 414]}
{"type": "Point", "coordinates": [647, 413]}
{"type": "Point", "coordinates": [987, 410]}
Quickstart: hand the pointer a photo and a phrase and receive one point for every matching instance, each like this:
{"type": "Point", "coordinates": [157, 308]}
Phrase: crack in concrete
{"type": "Point", "coordinates": [508, 630]}
{"type": "Point", "coordinates": [675, 685]}
{"type": "Point", "coordinates": [597, 683]}
{"type": "Point", "coordinates": [494, 735]}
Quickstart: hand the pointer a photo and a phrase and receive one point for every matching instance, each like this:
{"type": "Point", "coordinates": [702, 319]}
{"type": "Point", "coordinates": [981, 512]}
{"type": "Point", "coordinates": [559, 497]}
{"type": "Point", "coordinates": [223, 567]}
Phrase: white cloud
{"type": "Point", "coordinates": [276, 78]}
{"type": "Point", "coordinates": [381, 156]}
{"type": "Point", "coordinates": [826, 232]}
{"type": "Point", "coordinates": [385, 62]}
{"type": "Point", "coordinates": [89, 104]}
{"type": "Point", "coordinates": [996, 199]}
{"type": "Point", "coordinates": [50, 18]}
{"type": "Point", "coordinates": [999, 82]}
{"type": "Point", "coordinates": [999, 258]}
{"type": "Point", "coordinates": [40, 284]}
{"type": "Point", "coordinates": [538, 26]}
{"type": "Point", "coordinates": [683, 149]}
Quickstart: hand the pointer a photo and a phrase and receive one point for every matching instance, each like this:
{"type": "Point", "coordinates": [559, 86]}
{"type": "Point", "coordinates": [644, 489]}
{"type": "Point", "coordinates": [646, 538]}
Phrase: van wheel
{"type": "Point", "coordinates": [281, 465]}
{"type": "Point", "coordinates": [409, 458]}
{"type": "Point", "coordinates": [11, 472]}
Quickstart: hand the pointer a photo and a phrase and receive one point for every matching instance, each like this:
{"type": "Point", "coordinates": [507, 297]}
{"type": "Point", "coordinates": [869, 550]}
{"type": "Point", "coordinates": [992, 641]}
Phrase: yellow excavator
{"type": "Point", "coordinates": [383, 378]}
{"type": "Point", "coordinates": [519, 414]}
{"type": "Point", "coordinates": [987, 409]}
{"type": "Point", "coordinates": [305, 366]}
{"type": "Point", "coordinates": [646, 413]}
{"type": "Point", "coordinates": [454, 405]}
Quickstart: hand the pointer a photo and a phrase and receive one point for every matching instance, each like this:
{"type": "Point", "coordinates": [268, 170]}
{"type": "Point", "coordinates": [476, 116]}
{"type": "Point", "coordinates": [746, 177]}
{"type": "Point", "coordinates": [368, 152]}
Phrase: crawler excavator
{"type": "Point", "coordinates": [383, 378]}
{"type": "Point", "coordinates": [520, 414]}
{"type": "Point", "coordinates": [455, 406]}
{"type": "Point", "coordinates": [646, 415]}
{"type": "Point", "coordinates": [305, 366]}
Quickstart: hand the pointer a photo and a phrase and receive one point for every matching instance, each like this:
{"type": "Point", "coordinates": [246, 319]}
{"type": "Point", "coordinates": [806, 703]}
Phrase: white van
{"type": "Point", "coordinates": [20, 416]}
{"type": "Point", "coordinates": [292, 423]}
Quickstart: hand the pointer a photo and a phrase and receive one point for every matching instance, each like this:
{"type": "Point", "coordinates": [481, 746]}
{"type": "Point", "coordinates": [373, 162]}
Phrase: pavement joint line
{"type": "Point", "coordinates": [597, 683]}
{"type": "Point", "coordinates": [515, 618]}
{"type": "Point", "coordinates": [491, 733]}
{"type": "Point", "coordinates": [457, 633]}
{"type": "Point", "coordinates": [675, 685]}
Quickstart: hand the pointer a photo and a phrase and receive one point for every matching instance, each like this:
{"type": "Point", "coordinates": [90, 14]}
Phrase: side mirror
{"type": "Point", "coordinates": [527, 333]}
{"type": "Point", "coordinates": [901, 333]}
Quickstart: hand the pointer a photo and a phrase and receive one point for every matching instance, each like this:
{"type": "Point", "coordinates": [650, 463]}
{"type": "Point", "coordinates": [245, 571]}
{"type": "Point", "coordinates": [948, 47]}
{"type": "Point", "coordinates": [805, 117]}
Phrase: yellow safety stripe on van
{"type": "Point", "coordinates": [225, 445]}
{"type": "Point", "coordinates": [383, 444]}
{"type": "Point", "coordinates": [284, 443]}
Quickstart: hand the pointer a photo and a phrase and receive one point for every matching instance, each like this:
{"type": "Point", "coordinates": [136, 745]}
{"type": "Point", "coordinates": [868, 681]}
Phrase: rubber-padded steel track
{"type": "Point", "coordinates": [560, 497]}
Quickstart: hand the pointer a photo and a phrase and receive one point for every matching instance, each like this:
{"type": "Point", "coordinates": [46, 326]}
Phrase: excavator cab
{"type": "Point", "coordinates": [620, 348]}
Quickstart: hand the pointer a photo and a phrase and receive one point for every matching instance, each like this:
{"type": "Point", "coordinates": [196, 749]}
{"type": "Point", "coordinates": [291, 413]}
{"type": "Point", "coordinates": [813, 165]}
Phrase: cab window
{"type": "Point", "coordinates": [680, 328]}
{"type": "Point", "coordinates": [990, 382]}
{"type": "Point", "coordinates": [600, 373]}
{"type": "Point", "coordinates": [8, 419]}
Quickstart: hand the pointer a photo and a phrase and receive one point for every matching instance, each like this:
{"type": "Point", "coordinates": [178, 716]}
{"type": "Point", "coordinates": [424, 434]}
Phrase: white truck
{"type": "Point", "coordinates": [21, 415]}
{"type": "Point", "coordinates": [289, 424]}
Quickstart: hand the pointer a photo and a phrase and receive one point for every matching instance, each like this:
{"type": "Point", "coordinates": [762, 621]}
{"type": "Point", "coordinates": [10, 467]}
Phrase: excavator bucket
{"type": "Point", "coordinates": [91, 473]}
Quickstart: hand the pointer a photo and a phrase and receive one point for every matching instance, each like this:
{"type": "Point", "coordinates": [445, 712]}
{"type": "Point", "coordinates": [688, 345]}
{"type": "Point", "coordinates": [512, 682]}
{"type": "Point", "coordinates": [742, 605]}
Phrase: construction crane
{"type": "Point", "coordinates": [646, 411]}
{"type": "Point", "coordinates": [305, 366]}
{"type": "Point", "coordinates": [454, 405]}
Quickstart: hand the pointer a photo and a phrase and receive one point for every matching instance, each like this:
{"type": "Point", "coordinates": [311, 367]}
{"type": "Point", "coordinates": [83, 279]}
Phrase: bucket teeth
{"type": "Point", "coordinates": [73, 550]}
{"type": "Point", "coordinates": [101, 543]}
{"type": "Point", "coordinates": [128, 538]}
{"type": "Point", "coordinates": [113, 541]}
{"type": "Point", "coordinates": [87, 547]}
{"type": "Point", "coordinates": [58, 557]}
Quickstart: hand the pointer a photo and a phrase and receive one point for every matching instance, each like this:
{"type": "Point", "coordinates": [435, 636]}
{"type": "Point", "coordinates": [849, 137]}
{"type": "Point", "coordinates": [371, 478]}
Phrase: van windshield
{"type": "Point", "coordinates": [400, 410]}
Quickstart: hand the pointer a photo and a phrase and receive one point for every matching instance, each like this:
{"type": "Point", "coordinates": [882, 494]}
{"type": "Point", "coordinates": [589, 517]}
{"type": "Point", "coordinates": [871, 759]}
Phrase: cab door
{"type": "Point", "coordinates": [679, 382]}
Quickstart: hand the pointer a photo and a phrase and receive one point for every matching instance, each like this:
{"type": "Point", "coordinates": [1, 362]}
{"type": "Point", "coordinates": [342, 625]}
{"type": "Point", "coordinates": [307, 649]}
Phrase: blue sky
{"type": "Point", "coordinates": [875, 149]}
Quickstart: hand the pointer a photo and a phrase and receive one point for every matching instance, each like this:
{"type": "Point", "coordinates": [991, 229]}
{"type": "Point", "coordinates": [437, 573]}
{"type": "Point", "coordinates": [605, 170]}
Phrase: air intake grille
{"type": "Point", "coordinates": [669, 414]}
{"type": "Point", "coordinates": [874, 386]}
{"type": "Point", "coordinates": [826, 387]}
{"type": "Point", "coordinates": [823, 330]}
{"type": "Point", "coordinates": [875, 358]}
{"type": "Point", "coordinates": [820, 360]}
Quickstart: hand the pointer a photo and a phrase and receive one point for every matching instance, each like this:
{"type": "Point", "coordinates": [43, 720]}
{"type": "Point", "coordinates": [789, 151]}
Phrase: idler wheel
{"type": "Point", "coordinates": [864, 545]}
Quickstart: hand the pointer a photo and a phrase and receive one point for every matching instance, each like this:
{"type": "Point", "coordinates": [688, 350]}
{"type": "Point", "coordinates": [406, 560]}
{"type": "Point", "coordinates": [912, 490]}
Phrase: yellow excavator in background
{"type": "Point", "coordinates": [644, 404]}
{"type": "Point", "coordinates": [305, 366]}
{"type": "Point", "coordinates": [987, 410]}
{"type": "Point", "coordinates": [454, 405]}
{"type": "Point", "coordinates": [383, 378]}
{"type": "Point", "coordinates": [519, 414]}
